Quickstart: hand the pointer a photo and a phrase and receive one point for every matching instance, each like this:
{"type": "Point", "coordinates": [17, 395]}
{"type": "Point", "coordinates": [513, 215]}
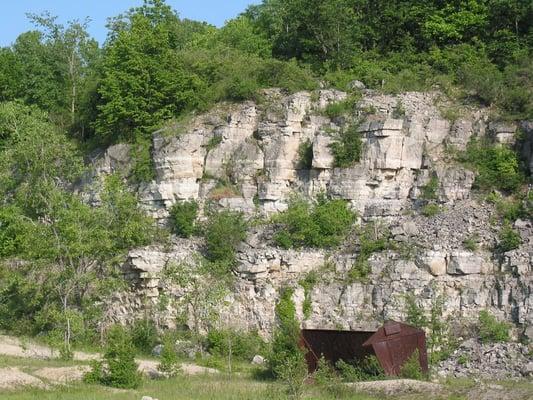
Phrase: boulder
{"type": "Point", "coordinates": [465, 263]}
{"type": "Point", "coordinates": [258, 360]}
{"type": "Point", "coordinates": [157, 350]}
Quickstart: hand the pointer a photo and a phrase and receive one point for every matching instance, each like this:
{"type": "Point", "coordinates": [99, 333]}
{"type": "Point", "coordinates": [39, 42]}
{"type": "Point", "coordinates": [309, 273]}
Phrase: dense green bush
{"type": "Point", "coordinates": [305, 155]}
{"type": "Point", "coordinates": [144, 335]}
{"type": "Point", "coordinates": [323, 225]}
{"type": "Point", "coordinates": [411, 368]}
{"type": "Point", "coordinates": [471, 242]}
{"type": "Point", "coordinates": [286, 335]}
{"type": "Point", "coordinates": [509, 239]}
{"type": "Point", "coordinates": [344, 107]}
{"type": "Point", "coordinates": [119, 368]}
{"type": "Point", "coordinates": [492, 330]}
{"type": "Point", "coordinates": [308, 283]}
{"type": "Point", "coordinates": [513, 207]}
{"type": "Point", "coordinates": [329, 380]}
{"type": "Point", "coordinates": [366, 369]}
{"type": "Point", "coordinates": [223, 233]}
{"type": "Point", "coordinates": [347, 147]}
{"type": "Point", "coordinates": [169, 363]}
{"type": "Point", "coordinates": [430, 210]}
{"type": "Point", "coordinates": [183, 216]}
{"type": "Point", "coordinates": [430, 190]}
{"type": "Point", "coordinates": [497, 166]}
{"type": "Point", "coordinates": [244, 345]}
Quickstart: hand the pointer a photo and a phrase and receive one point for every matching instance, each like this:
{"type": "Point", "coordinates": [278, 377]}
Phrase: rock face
{"type": "Point", "coordinates": [248, 157]}
{"type": "Point", "coordinates": [496, 361]}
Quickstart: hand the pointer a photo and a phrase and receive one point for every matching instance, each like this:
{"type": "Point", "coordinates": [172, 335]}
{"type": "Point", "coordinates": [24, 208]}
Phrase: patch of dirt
{"type": "Point", "coordinates": [12, 377]}
{"type": "Point", "coordinates": [14, 347]}
{"type": "Point", "coordinates": [397, 387]}
{"type": "Point", "coordinates": [62, 375]}
{"type": "Point", "coordinates": [149, 368]}
{"type": "Point", "coordinates": [193, 369]}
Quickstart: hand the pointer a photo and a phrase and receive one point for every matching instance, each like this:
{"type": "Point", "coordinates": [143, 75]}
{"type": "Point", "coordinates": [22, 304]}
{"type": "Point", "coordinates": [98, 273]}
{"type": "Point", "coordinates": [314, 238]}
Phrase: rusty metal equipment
{"type": "Point", "coordinates": [394, 343]}
{"type": "Point", "coordinates": [334, 346]}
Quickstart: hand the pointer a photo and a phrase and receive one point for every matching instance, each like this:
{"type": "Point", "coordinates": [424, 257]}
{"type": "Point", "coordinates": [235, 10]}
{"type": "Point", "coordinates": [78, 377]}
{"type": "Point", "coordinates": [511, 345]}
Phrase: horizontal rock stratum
{"type": "Point", "coordinates": [255, 146]}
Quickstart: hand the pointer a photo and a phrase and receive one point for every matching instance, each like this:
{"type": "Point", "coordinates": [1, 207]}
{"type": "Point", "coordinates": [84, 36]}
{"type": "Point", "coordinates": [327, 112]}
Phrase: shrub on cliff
{"type": "Point", "coordinates": [497, 166]}
{"type": "Point", "coordinates": [285, 345]}
{"type": "Point", "coordinates": [223, 233]}
{"type": "Point", "coordinates": [509, 239]}
{"type": "Point", "coordinates": [492, 330]}
{"type": "Point", "coordinates": [347, 147]}
{"type": "Point", "coordinates": [183, 215]}
{"type": "Point", "coordinates": [323, 225]}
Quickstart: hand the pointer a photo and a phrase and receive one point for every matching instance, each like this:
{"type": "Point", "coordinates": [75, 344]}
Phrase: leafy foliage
{"type": "Point", "coordinates": [286, 352]}
{"type": "Point", "coordinates": [65, 243]}
{"type": "Point", "coordinates": [121, 368]}
{"type": "Point", "coordinates": [347, 147]}
{"type": "Point", "coordinates": [429, 191]}
{"type": "Point", "coordinates": [361, 370]}
{"type": "Point", "coordinates": [430, 210]}
{"type": "Point", "coordinates": [441, 340]}
{"type": "Point", "coordinates": [292, 371]}
{"type": "Point", "coordinates": [308, 283]}
{"type": "Point", "coordinates": [411, 369]}
{"type": "Point", "coordinates": [144, 335]}
{"type": "Point", "coordinates": [323, 225]}
{"type": "Point", "coordinates": [244, 345]}
{"type": "Point", "coordinates": [327, 378]}
{"type": "Point", "coordinates": [183, 215]}
{"type": "Point", "coordinates": [509, 239]}
{"type": "Point", "coordinates": [372, 239]}
{"type": "Point", "coordinates": [492, 330]}
{"type": "Point", "coordinates": [305, 154]}
{"type": "Point", "coordinates": [207, 285]}
{"type": "Point", "coordinates": [53, 69]}
{"type": "Point", "coordinates": [169, 363]}
{"type": "Point", "coordinates": [497, 166]}
{"type": "Point", "coordinates": [223, 233]}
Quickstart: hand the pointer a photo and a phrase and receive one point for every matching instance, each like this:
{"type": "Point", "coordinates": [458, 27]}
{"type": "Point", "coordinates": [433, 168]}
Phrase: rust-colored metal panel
{"type": "Point", "coordinates": [334, 346]}
{"type": "Point", "coordinates": [394, 343]}
{"type": "Point", "coordinates": [423, 353]}
{"type": "Point", "coordinates": [384, 357]}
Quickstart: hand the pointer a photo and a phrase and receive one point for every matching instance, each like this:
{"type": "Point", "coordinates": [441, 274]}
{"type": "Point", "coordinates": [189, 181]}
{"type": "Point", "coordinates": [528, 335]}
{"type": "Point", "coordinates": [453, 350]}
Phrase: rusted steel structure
{"type": "Point", "coordinates": [334, 346]}
{"type": "Point", "coordinates": [394, 343]}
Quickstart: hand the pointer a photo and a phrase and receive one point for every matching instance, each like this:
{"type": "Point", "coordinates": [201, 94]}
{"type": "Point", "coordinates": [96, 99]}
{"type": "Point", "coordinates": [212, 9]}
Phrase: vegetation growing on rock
{"type": "Point", "coordinates": [63, 99]}
{"type": "Point", "coordinates": [324, 224]}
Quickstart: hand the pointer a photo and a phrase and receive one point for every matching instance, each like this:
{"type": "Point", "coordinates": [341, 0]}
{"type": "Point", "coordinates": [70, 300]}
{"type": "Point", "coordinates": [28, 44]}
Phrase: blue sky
{"type": "Point", "coordinates": [13, 19]}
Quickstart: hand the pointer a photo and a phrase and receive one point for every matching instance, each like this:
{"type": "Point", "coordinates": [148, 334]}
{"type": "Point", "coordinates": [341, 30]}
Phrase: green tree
{"type": "Point", "coordinates": [224, 231]}
{"type": "Point", "coordinates": [65, 243]}
{"type": "Point", "coordinates": [286, 351]}
{"type": "Point", "coordinates": [119, 357]}
{"type": "Point", "coordinates": [52, 68]}
{"type": "Point", "coordinates": [205, 289]}
{"type": "Point", "coordinates": [144, 81]}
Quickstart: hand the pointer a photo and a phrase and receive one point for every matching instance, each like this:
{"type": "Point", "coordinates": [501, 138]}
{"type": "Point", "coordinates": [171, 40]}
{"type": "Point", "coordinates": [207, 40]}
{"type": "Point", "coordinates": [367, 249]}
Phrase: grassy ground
{"type": "Point", "coordinates": [243, 384]}
{"type": "Point", "coordinates": [198, 388]}
{"type": "Point", "coordinates": [30, 364]}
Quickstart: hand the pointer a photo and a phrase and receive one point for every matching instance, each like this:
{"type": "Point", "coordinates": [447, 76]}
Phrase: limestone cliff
{"type": "Point", "coordinates": [406, 141]}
